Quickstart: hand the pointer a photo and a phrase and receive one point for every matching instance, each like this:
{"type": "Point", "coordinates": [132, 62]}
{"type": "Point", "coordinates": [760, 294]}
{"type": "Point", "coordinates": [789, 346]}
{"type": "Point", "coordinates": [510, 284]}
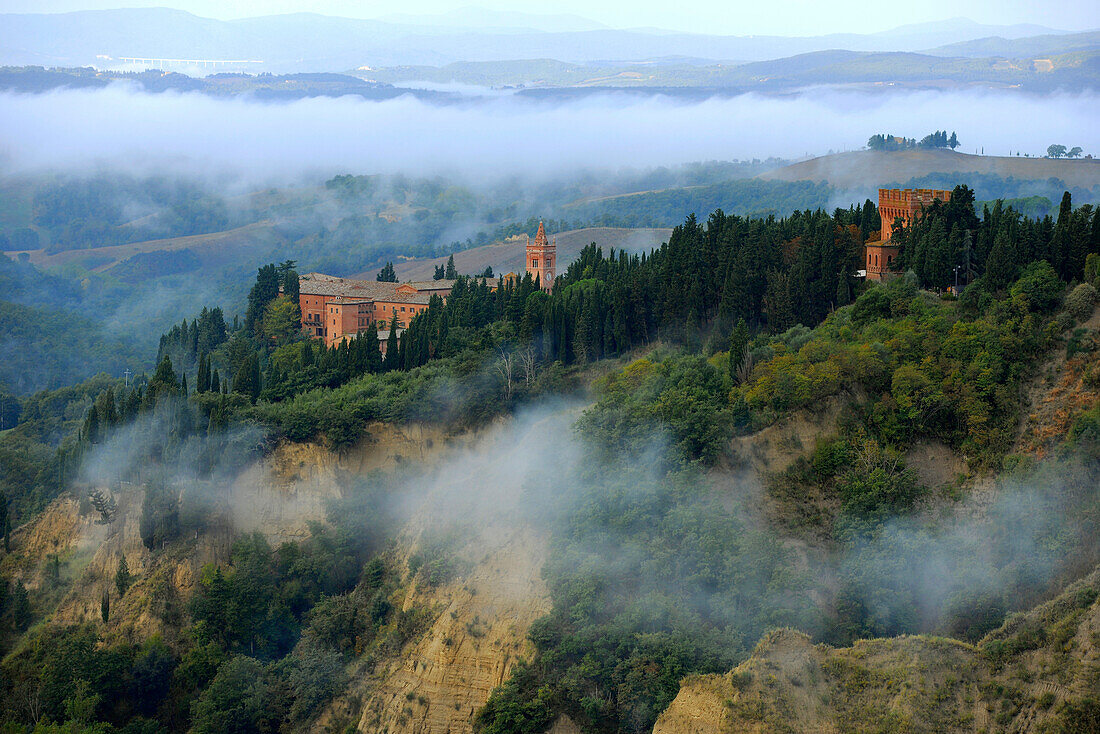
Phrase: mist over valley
{"type": "Point", "coordinates": [486, 371]}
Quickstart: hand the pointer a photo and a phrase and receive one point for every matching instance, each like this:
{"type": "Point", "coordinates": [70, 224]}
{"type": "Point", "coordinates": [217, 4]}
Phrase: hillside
{"type": "Point", "coordinates": [896, 495]}
{"type": "Point", "coordinates": [858, 169]}
{"type": "Point", "coordinates": [508, 256]}
{"type": "Point", "coordinates": [1018, 48]}
{"type": "Point", "coordinates": [1073, 68]}
{"type": "Point", "coordinates": [1038, 672]}
{"type": "Point", "coordinates": [213, 249]}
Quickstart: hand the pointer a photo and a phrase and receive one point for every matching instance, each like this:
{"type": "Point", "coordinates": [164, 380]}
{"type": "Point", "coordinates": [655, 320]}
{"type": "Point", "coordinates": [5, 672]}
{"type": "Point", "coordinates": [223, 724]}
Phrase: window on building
{"type": "Point", "coordinates": [534, 263]}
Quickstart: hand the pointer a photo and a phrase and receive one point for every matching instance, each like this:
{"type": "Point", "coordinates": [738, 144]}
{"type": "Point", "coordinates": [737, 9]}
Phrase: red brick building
{"type": "Point", "coordinates": [879, 255]}
{"type": "Point", "coordinates": [541, 258]}
{"type": "Point", "coordinates": [334, 308]}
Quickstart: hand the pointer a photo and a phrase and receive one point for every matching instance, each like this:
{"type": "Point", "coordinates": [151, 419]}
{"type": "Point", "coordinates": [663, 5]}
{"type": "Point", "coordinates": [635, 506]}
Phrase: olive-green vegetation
{"type": "Point", "coordinates": [47, 339]}
{"type": "Point", "coordinates": [910, 366]}
{"type": "Point", "coordinates": [624, 632]}
{"type": "Point", "coordinates": [261, 645]}
{"type": "Point", "coordinates": [661, 565]}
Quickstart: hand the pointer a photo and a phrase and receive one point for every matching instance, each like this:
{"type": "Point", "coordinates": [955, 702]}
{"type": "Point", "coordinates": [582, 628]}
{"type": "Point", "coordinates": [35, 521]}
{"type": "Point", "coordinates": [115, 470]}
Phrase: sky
{"type": "Point", "coordinates": [735, 17]}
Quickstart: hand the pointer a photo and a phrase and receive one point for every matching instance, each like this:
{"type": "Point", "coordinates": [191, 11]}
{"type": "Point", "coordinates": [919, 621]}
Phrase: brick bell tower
{"type": "Point", "coordinates": [541, 254]}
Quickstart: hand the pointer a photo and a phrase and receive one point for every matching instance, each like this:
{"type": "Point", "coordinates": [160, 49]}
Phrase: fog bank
{"type": "Point", "coordinates": [194, 133]}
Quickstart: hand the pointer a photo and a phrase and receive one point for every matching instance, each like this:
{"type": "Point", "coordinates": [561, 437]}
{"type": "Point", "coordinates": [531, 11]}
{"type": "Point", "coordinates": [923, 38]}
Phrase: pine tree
{"type": "Point", "coordinates": [247, 381]}
{"type": "Point", "coordinates": [440, 273]}
{"type": "Point", "coordinates": [387, 274]}
{"type": "Point", "coordinates": [104, 504]}
{"type": "Point", "coordinates": [264, 291]}
{"type": "Point", "coordinates": [164, 380]}
{"type": "Point", "coordinates": [105, 606]}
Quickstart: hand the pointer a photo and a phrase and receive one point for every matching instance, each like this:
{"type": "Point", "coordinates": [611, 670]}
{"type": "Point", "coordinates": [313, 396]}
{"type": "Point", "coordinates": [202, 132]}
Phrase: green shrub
{"type": "Point", "coordinates": [1080, 301]}
{"type": "Point", "coordinates": [1040, 285]}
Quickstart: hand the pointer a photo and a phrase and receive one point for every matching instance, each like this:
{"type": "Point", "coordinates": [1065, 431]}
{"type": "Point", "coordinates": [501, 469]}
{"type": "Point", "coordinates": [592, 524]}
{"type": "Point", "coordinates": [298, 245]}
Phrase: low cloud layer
{"type": "Point", "coordinates": [189, 133]}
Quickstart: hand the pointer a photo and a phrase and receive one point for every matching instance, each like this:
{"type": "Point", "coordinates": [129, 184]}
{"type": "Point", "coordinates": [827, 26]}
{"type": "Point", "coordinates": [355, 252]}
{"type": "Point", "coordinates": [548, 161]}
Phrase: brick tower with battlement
{"type": "Point", "coordinates": [541, 254]}
{"type": "Point", "coordinates": [893, 204]}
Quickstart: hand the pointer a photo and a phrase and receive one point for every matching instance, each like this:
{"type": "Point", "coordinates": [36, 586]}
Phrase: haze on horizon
{"type": "Point", "coordinates": [779, 18]}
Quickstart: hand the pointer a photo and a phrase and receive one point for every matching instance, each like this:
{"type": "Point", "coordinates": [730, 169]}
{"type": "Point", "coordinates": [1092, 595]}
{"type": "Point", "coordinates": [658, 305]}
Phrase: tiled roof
{"type": "Point", "coordinates": [346, 300]}
{"type": "Point", "coordinates": [432, 285]}
{"type": "Point", "coordinates": [319, 284]}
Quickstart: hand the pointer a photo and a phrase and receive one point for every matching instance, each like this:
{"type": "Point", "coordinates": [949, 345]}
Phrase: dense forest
{"type": "Point", "coordinates": [73, 227]}
{"type": "Point", "coordinates": [733, 324]}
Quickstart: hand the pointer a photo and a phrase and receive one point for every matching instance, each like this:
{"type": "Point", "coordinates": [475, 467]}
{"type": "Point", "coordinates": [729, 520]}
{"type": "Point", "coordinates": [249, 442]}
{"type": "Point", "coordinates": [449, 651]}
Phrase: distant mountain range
{"type": "Point", "coordinates": [1071, 71]}
{"type": "Point", "coordinates": [1015, 48]}
{"type": "Point", "coordinates": [310, 42]}
{"type": "Point", "coordinates": [485, 19]}
{"type": "Point", "coordinates": [557, 80]}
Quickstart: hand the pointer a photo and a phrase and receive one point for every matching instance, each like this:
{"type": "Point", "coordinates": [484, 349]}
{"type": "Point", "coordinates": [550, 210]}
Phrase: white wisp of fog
{"type": "Point", "coordinates": [502, 135]}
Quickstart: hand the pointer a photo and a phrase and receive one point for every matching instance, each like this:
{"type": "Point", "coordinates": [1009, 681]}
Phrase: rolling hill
{"type": "Point", "coordinates": [855, 169]}
{"type": "Point", "coordinates": [508, 256]}
{"type": "Point", "coordinates": [1015, 48]}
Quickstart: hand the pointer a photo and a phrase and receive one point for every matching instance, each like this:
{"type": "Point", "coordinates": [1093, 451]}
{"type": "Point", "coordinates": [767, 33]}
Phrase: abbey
{"type": "Point", "coordinates": [895, 204]}
{"type": "Point", "coordinates": [335, 309]}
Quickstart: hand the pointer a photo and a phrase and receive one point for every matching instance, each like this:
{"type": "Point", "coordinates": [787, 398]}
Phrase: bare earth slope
{"type": "Point", "coordinates": [856, 169]}
{"type": "Point", "coordinates": [508, 256]}
{"type": "Point", "coordinates": [1017, 679]}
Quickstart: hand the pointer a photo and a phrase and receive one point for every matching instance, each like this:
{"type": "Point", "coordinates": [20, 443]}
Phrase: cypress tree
{"type": "Point", "coordinates": [392, 347]}
{"type": "Point", "coordinates": [451, 272]}
{"type": "Point", "coordinates": [373, 361]}
{"type": "Point", "coordinates": [5, 521]}
{"type": "Point", "coordinates": [123, 579]}
{"type": "Point", "coordinates": [110, 413]}
{"type": "Point", "coordinates": [1060, 243]}
{"type": "Point", "coordinates": [739, 340]}
{"type": "Point", "coordinates": [1001, 266]}
{"type": "Point", "coordinates": [215, 382]}
{"type": "Point", "coordinates": [291, 285]}
{"type": "Point", "coordinates": [91, 426]}
{"type": "Point", "coordinates": [20, 607]}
